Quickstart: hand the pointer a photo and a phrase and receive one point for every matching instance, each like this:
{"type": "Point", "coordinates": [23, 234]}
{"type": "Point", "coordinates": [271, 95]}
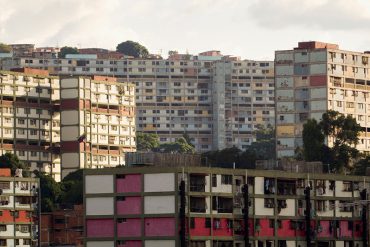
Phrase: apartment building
{"type": "Point", "coordinates": [313, 78]}
{"type": "Point", "coordinates": [218, 100]}
{"type": "Point", "coordinates": [143, 206]}
{"type": "Point", "coordinates": [62, 227]}
{"type": "Point", "coordinates": [97, 122]}
{"type": "Point", "coordinates": [30, 119]}
{"type": "Point", "coordinates": [19, 214]}
{"type": "Point", "coordinates": [95, 117]}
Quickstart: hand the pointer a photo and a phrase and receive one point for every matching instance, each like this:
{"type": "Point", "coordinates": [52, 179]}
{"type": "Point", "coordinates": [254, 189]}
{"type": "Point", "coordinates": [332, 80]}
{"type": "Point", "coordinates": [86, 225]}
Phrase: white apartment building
{"type": "Point", "coordinates": [219, 101]}
{"type": "Point", "coordinates": [316, 77]}
{"type": "Point", "coordinates": [96, 119]}
{"type": "Point", "coordinates": [30, 120]}
{"type": "Point", "coordinates": [97, 122]}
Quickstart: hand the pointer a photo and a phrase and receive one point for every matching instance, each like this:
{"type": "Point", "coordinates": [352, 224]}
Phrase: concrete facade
{"type": "Point", "coordinates": [313, 78]}
{"type": "Point", "coordinates": [19, 214]}
{"type": "Point", "coordinates": [214, 216]}
{"type": "Point", "coordinates": [219, 101]}
{"type": "Point", "coordinates": [79, 122]}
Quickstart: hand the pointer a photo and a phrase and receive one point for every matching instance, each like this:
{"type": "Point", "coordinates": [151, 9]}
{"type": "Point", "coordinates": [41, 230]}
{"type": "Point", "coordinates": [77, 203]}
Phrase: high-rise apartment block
{"type": "Point", "coordinates": [95, 118]}
{"type": "Point", "coordinates": [219, 101]}
{"type": "Point", "coordinates": [316, 77]}
{"type": "Point", "coordinates": [30, 119]}
{"type": "Point", "coordinates": [19, 214]}
{"type": "Point", "coordinates": [207, 207]}
{"type": "Point", "coordinates": [97, 122]}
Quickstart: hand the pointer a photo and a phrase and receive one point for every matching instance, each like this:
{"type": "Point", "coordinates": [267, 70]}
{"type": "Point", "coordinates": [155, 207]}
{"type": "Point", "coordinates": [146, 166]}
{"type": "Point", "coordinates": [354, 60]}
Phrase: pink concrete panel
{"type": "Point", "coordinates": [131, 205]}
{"type": "Point", "coordinates": [159, 226]}
{"type": "Point", "coordinates": [285, 230]}
{"type": "Point", "coordinates": [324, 230]}
{"type": "Point", "coordinates": [318, 80]}
{"type": "Point", "coordinates": [344, 231]}
{"type": "Point", "coordinates": [131, 183]}
{"type": "Point", "coordinates": [264, 229]}
{"type": "Point", "coordinates": [357, 229]}
{"type": "Point", "coordinates": [130, 228]}
{"type": "Point", "coordinates": [221, 228]}
{"type": "Point", "coordinates": [131, 243]}
{"type": "Point", "coordinates": [200, 228]}
{"type": "Point", "coordinates": [100, 228]}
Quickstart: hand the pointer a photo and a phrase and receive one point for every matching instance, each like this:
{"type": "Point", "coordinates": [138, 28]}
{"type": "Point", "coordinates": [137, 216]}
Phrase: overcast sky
{"type": "Point", "coordinates": [251, 29]}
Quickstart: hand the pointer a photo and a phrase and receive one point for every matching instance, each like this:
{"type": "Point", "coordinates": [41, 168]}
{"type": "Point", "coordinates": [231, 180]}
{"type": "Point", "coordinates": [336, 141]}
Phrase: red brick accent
{"type": "Point", "coordinates": [71, 146]}
{"type": "Point", "coordinates": [30, 71]}
{"type": "Point", "coordinates": [318, 80]}
{"type": "Point", "coordinates": [316, 45]}
{"type": "Point", "coordinates": [104, 78]}
{"type": "Point", "coordinates": [4, 172]}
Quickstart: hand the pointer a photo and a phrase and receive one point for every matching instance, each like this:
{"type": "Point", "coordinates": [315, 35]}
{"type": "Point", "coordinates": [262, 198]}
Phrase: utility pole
{"type": "Point", "coordinates": [365, 233]}
{"type": "Point", "coordinates": [182, 214]}
{"type": "Point", "coordinates": [246, 214]}
{"type": "Point", "coordinates": [307, 192]}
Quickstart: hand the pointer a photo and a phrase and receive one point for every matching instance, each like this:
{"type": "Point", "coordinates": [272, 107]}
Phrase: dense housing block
{"type": "Point", "coordinates": [57, 125]}
{"type": "Point", "coordinates": [30, 119]}
{"type": "Point", "coordinates": [140, 206]}
{"type": "Point", "coordinates": [219, 101]}
{"type": "Point", "coordinates": [316, 77]}
{"type": "Point", "coordinates": [19, 214]}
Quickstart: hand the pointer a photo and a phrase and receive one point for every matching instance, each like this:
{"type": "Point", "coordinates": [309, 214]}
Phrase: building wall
{"type": "Point", "coordinates": [30, 124]}
{"type": "Point", "coordinates": [333, 79]}
{"type": "Point", "coordinates": [98, 124]}
{"type": "Point", "coordinates": [18, 207]}
{"type": "Point", "coordinates": [180, 95]}
{"type": "Point", "coordinates": [276, 209]}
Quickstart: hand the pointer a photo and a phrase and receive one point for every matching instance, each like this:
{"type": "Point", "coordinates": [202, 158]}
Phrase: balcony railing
{"type": "Point", "coordinates": [197, 187]}
{"type": "Point", "coordinates": [197, 209]}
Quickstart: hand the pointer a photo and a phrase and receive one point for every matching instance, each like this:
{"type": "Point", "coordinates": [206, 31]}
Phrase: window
{"type": "Point", "coordinates": [347, 186]}
{"type": "Point", "coordinates": [269, 203]}
{"type": "Point", "coordinates": [33, 132]}
{"type": "Point", "coordinates": [4, 185]}
{"type": "Point", "coordinates": [21, 121]}
{"type": "Point", "coordinates": [226, 179]}
{"type": "Point", "coordinates": [26, 241]}
{"type": "Point", "coordinates": [33, 122]}
{"type": "Point", "coordinates": [2, 228]}
{"type": "Point", "coordinates": [21, 132]}
{"type": "Point", "coordinates": [33, 154]}
{"type": "Point", "coordinates": [207, 223]}
{"type": "Point", "coordinates": [214, 180]}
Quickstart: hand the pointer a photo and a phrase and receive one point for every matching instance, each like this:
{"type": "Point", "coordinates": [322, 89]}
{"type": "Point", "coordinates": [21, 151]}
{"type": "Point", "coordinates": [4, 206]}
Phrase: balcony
{"type": "Point", "coordinates": [286, 187]}
{"type": "Point", "coordinates": [197, 183]}
{"type": "Point", "coordinates": [222, 204]}
{"type": "Point", "coordinates": [198, 204]}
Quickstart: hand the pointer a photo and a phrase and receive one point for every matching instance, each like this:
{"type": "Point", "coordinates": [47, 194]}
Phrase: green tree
{"type": "Point", "coordinates": [50, 192]}
{"type": "Point", "coordinates": [10, 160]}
{"type": "Point", "coordinates": [67, 50]}
{"type": "Point", "coordinates": [264, 146]}
{"type": "Point", "coordinates": [4, 48]}
{"type": "Point", "coordinates": [72, 188]}
{"type": "Point", "coordinates": [361, 167]}
{"type": "Point", "coordinates": [146, 141]}
{"type": "Point", "coordinates": [313, 141]}
{"type": "Point", "coordinates": [228, 156]}
{"type": "Point", "coordinates": [187, 139]}
{"type": "Point", "coordinates": [180, 146]}
{"type": "Point", "coordinates": [342, 131]}
{"type": "Point", "coordinates": [132, 48]}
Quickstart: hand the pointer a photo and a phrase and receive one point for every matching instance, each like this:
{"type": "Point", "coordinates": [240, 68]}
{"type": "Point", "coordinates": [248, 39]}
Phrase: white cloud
{"type": "Point", "coordinates": [250, 29]}
{"type": "Point", "coordinates": [316, 14]}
